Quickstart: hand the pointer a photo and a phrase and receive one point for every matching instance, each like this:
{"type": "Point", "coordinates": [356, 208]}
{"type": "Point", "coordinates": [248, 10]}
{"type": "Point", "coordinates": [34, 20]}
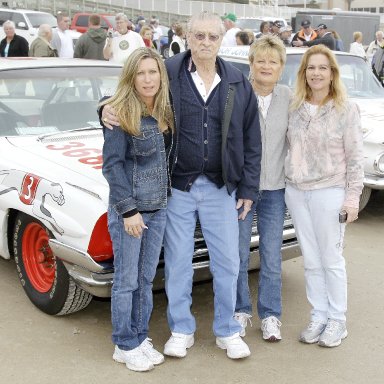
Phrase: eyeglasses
{"type": "Point", "coordinates": [202, 36]}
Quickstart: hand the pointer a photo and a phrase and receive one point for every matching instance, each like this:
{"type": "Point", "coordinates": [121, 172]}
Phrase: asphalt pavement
{"type": "Point", "coordinates": [40, 349]}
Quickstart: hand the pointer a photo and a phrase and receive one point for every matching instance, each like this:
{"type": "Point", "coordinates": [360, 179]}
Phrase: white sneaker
{"type": "Point", "coordinates": [334, 332]}
{"type": "Point", "coordinates": [235, 346]}
{"type": "Point", "coordinates": [311, 334]}
{"type": "Point", "coordinates": [243, 318]}
{"type": "Point", "coordinates": [271, 328]}
{"type": "Point", "coordinates": [178, 344]}
{"type": "Point", "coordinates": [135, 360]}
{"type": "Point", "coordinates": [155, 357]}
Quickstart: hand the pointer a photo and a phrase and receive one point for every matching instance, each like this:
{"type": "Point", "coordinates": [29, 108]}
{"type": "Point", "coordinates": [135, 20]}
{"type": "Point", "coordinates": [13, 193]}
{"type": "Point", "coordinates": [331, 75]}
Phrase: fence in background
{"type": "Point", "coordinates": [166, 10]}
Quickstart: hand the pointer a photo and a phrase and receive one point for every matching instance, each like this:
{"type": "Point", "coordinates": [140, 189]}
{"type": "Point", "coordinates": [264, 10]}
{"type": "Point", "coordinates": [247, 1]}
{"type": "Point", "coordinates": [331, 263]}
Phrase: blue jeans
{"type": "Point", "coordinates": [315, 214]}
{"type": "Point", "coordinates": [218, 218]}
{"type": "Point", "coordinates": [270, 209]}
{"type": "Point", "coordinates": [135, 262]}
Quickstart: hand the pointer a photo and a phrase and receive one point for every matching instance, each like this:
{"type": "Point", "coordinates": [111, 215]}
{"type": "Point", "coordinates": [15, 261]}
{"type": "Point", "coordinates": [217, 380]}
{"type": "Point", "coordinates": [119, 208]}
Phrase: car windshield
{"type": "Point", "coordinates": [37, 19]}
{"type": "Point", "coordinates": [357, 76]}
{"type": "Point", "coordinates": [111, 20]}
{"type": "Point", "coordinates": [253, 24]}
{"type": "Point", "coordinates": [49, 100]}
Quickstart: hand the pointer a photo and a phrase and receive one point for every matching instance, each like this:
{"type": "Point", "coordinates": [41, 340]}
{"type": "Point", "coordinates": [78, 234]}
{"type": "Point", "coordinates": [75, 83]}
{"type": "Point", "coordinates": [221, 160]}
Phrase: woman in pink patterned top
{"type": "Point", "coordinates": [324, 176]}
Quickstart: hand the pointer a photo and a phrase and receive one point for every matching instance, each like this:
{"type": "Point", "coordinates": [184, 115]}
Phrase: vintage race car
{"type": "Point", "coordinates": [362, 87]}
{"type": "Point", "coordinates": [53, 196]}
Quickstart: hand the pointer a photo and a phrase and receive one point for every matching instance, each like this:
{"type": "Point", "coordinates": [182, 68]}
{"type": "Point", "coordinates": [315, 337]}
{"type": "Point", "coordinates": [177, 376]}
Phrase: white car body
{"type": "Point", "coordinates": [53, 196]}
{"type": "Point", "coordinates": [362, 87]}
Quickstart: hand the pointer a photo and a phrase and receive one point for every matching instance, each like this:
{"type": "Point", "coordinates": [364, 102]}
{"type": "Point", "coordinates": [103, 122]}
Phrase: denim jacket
{"type": "Point", "coordinates": [136, 168]}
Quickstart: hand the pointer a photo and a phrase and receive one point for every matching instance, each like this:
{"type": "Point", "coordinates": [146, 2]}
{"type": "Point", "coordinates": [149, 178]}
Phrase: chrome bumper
{"type": "Point", "coordinates": [97, 280]}
{"type": "Point", "coordinates": [89, 275]}
{"type": "Point", "coordinates": [374, 181]}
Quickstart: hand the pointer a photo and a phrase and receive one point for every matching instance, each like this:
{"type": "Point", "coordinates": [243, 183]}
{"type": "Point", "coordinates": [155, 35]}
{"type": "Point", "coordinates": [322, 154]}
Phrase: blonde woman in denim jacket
{"type": "Point", "coordinates": [324, 175]}
{"type": "Point", "coordinates": [135, 166]}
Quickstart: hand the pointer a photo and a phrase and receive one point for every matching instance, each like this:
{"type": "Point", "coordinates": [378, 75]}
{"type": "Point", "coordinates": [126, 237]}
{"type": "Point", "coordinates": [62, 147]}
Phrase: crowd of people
{"type": "Point", "coordinates": [191, 137]}
{"type": "Point", "coordinates": [116, 45]}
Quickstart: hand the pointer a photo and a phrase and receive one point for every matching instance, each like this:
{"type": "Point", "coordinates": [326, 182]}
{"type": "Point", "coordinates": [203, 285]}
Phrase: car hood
{"type": "Point", "coordinates": [372, 119]}
{"type": "Point", "coordinates": [74, 157]}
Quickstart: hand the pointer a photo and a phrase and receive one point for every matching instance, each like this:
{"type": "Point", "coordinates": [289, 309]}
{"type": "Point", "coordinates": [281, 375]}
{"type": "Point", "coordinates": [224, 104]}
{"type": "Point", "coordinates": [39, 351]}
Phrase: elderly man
{"type": "Point", "coordinates": [229, 39]}
{"type": "Point", "coordinates": [119, 46]}
{"type": "Point", "coordinates": [61, 39]}
{"type": "Point", "coordinates": [41, 46]}
{"type": "Point", "coordinates": [375, 45]}
{"type": "Point", "coordinates": [324, 37]}
{"type": "Point", "coordinates": [215, 172]}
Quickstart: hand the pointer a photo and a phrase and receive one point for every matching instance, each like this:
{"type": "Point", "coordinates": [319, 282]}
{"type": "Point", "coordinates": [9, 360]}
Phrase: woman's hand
{"type": "Point", "coordinates": [134, 225]}
{"type": "Point", "coordinates": [352, 213]}
{"type": "Point", "coordinates": [108, 115]}
{"type": "Point", "coordinates": [246, 204]}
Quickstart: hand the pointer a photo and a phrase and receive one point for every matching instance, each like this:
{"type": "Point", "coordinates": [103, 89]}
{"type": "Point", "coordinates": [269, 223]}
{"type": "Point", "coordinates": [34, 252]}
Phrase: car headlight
{"type": "Point", "coordinates": [378, 163]}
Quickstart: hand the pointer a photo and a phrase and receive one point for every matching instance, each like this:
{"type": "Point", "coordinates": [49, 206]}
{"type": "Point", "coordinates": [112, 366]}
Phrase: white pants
{"type": "Point", "coordinates": [315, 216]}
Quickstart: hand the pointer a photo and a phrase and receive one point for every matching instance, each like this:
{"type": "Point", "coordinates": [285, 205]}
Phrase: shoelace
{"type": "Point", "coordinates": [331, 326]}
{"type": "Point", "coordinates": [312, 325]}
{"type": "Point", "coordinates": [147, 343]}
{"type": "Point", "coordinates": [272, 323]}
{"type": "Point", "coordinates": [243, 319]}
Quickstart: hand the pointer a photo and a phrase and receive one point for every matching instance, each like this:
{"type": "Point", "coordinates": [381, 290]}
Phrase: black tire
{"type": "Point", "coordinates": [165, 51]}
{"type": "Point", "coordinates": [364, 198]}
{"type": "Point", "coordinates": [46, 280]}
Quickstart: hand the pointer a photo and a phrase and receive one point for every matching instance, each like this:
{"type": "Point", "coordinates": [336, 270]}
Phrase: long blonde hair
{"type": "Point", "coordinates": [127, 104]}
{"type": "Point", "coordinates": [303, 92]}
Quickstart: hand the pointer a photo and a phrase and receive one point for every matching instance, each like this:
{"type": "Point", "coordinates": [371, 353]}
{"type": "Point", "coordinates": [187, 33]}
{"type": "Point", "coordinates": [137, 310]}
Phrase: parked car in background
{"type": "Point", "coordinates": [28, 22]}
{"type": "Point", "coordinates": [362, 87]}
{"type": "Point", "coordinates": [164, 43]}
{"type": "Point", "coordinates": [53, 196]}
{"type": "Point", "coordinates": [80, 22]}
{"type": "Point", "coordinates": [253, 23]}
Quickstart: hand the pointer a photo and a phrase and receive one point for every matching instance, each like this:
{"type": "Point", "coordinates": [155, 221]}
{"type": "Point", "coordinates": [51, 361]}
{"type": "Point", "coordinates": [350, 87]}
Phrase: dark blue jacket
{"type": "Point", "coordinates": [241, 139]}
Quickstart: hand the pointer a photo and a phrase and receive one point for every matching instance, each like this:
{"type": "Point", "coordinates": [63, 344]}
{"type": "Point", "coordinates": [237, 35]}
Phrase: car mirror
{"type": "Point", "coordinates": [22, 25]}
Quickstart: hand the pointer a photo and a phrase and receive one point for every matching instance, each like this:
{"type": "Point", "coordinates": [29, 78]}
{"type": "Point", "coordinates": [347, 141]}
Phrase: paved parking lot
{"type": "Point", "coordinates": [39, 349]}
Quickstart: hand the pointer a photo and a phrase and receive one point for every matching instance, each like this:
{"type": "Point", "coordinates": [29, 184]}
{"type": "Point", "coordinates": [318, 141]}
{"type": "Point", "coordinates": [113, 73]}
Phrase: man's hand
{"type": "Point", "coordinates": [297, 43]}
{"type": "Point", "coordinates": [134, 225]}
{"type": "Point", "coordinates": [352, 213]}
{"type": "Point", "coordinates": [109, 117]}
{"type": "Point", "coordinates": [246, 204]}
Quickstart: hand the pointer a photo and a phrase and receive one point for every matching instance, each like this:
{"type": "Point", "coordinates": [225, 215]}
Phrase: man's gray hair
{"type": "Point", "coordinates": [121, 16]}
{"type": "Point", "coordinates": [206, 16]}
{"type": "Point", "coordinates": [9, 23]}
{"type": "Point", "coordinates": [44, 30]}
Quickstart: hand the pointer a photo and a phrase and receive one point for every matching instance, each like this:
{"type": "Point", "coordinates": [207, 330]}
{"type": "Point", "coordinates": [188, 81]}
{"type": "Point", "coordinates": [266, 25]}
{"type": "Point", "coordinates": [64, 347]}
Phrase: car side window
{"type": "Point", "coordinates": [18, 18]}
{"type": "Point", "coordinates": [4, 16]}
{"type": "Point", "coordinates": [82, 21]}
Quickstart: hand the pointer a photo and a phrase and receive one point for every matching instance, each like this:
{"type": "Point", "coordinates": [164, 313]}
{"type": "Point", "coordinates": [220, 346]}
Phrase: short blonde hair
{"type": "Point", "coordinates": [357, 35]}
{"type": "Point", "coordinates": [267, 44]}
